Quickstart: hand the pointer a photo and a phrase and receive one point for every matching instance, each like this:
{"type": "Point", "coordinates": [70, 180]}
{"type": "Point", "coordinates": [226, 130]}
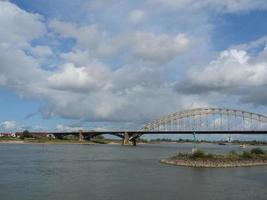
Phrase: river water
{"type": "Point", "coordinates": [113, 172]}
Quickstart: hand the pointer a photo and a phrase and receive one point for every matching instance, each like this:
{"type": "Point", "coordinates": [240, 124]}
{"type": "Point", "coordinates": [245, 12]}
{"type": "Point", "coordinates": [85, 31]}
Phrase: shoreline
{"type": "Point", "coordinates": [214, 164]}
{"type": "Point", "coordinates": [50, 142]}
{"type": "Point", "coordinates": [62, 142]}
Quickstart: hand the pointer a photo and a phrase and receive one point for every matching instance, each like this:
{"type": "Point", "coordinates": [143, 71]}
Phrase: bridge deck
{"type": "Point", "coordinates": [165, 132]}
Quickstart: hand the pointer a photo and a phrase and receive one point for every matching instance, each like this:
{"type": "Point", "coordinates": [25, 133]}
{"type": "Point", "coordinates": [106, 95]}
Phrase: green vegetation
{"type": "Point", "coordinates": [26, 134]}
{"type": "Point", "coordinates": [254, 154]}
{"type": "Point", "coordinates": [5, 138]}
{"type": "Point", "coordinates": [198, 154]}
{"type": "Point", "coordinates": [253, 142]}
{"type": "Point", "coordinates": [232, 155]}
{"type": "Point", "coordinates": [257, 151]}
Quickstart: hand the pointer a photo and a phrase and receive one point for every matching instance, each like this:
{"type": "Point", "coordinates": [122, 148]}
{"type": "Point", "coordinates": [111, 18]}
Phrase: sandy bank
{"type": "Point", "coordinates": [11, 142]}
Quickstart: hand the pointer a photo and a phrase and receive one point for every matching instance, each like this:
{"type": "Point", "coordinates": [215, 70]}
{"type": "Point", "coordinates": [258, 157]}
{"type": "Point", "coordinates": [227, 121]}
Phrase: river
{"type": "Point", "coordinates": [113, 172]}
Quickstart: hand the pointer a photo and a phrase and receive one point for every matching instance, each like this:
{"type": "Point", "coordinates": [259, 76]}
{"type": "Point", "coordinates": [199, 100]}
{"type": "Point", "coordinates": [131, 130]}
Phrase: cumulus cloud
{"type": "Point", "coordinates": [148, 46]}
{"type": "Point", "coordinates": [234, 72]}
{"type": "Point", "coordinates": [18, 26]}
{"type": "Point", "coordinates": [88, 38]}
{"type": "Point", "coordinates": [82, 79]}
{"type": "Point", "coordinates": [159, 48]}
{"type": "Point", "coordinates": [230, 69]}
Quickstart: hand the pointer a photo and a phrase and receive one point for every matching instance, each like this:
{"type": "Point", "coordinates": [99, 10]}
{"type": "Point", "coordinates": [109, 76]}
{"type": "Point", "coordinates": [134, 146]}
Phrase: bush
{"type": "Point", "coordinates": [232, 154]}
{"type": "Point", "coordinates": [246, 154]}
{"type": "Point", "coordinates": [257, 151]}
{"type": "Point", "coordinates": [210, 156]}
{"type": "Point", "coordinates": [198, 154]}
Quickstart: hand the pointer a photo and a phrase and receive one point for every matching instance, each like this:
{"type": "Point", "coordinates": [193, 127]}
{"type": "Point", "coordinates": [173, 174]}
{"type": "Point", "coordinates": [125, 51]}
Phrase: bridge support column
{"type": "Point", "coordinates": [81, 136]}
{"type": "Point", "coordinates": [126, 139]}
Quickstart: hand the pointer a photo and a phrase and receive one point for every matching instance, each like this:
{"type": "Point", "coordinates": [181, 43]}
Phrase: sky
{"type": "Point", "coordinates": [106, 64]}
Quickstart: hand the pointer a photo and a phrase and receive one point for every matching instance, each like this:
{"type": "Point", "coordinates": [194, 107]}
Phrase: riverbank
{"type": "Point", "coordinates": [56, 141]}
{"type": "Point", "coordinates": [42, 142]}
{"type": "Point", "coordinates": [256, 157]}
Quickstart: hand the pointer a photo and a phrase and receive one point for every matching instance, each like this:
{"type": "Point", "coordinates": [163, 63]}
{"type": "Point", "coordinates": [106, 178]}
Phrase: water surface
{"type": "Point", "coordinates": [112, 172]}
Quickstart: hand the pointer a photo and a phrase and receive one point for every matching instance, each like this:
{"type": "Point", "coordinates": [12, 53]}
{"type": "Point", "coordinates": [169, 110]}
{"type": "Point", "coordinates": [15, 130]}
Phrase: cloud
{"type": "Point", "coordinates": [227, 6]}
{"type": "Point", "coordinates": [18, 26]}
{"type": "Point", "coordinates": [126, 72]}
{"type": "Point", "coordinates": [148, 46]}
{"type": "Point", "coordinates": [232, 68]}
{"type": "Point", "coordinates": [233, 72]}
{"type": "Point", "coordinates": [19, 70]}
{"type": "Point", "coordinates": [159, 48]}
{"type": "Point", "coordinates": [80, 79]}
{"type": "Point", "coordinates": [41, 51]}
{"type": "Point", "coordinates": [8, 125]}
{"type": "Point", "coordinates": [136, 16]}
{"type": "Point", "coordinates": [88, 38]}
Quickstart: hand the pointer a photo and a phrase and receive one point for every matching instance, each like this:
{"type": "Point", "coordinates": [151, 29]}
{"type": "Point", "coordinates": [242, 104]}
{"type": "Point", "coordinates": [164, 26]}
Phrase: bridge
{"type": "Point", "coordinates": [194, 121]}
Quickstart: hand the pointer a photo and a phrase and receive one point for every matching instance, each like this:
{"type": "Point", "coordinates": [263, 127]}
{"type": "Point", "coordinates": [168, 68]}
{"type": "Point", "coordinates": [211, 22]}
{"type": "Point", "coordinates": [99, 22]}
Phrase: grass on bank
{"type": "Point", "coordinates": [253, 154]}
{"type": "Point", "coordinates": [5, 138]}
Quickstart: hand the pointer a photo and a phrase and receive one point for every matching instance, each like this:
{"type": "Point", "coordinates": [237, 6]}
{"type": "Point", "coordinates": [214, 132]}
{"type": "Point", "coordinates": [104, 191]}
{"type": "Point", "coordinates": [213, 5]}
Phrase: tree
{"type": "Point", "coordinates": [25, 134]}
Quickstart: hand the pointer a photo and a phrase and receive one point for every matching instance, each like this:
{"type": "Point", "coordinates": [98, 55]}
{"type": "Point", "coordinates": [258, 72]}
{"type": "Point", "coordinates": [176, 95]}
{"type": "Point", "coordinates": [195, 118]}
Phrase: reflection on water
{"type": "Point", "coordinates": [117, 172]}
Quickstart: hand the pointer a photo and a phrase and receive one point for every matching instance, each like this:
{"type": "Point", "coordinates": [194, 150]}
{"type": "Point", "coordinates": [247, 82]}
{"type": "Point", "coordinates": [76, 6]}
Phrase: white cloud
{"type": "Point", "coordinates": [78, 57]}
{"type": "Point", "coordinates": [232, 68]}
{"type": "Point", "coordinates": [91, 41]}
{"type": "Point", "coordinates": [88, 38]}
{"type": "Point", "coordinates": [18, 69]}
{"type": "Point", "coordinates": [8, 125]}
{"type": "Point", "coordinates": [136, 16]}
{"type": "Point", "coordinates": [160, 48]}
{"type": "Point", "coordinates": [82, 79]}
{"type": "Point", "coordinates": [235, 74]}
{"type": "Point", "coordinates": [18, 26]}
{"type": "Point", "coordinates": [18, 73]}
{"type": "Point", "coordinates": [62, 127]}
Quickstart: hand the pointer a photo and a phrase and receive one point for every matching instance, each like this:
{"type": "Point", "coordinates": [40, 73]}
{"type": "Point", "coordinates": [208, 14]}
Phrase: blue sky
{"type": "Point", "coordinates": [113, 64]}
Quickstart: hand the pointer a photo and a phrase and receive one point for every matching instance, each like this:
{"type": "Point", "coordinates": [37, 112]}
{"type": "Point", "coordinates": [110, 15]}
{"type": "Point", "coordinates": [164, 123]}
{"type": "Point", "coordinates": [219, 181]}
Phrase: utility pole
{"type": "Point", "coordinates": [194, 136]}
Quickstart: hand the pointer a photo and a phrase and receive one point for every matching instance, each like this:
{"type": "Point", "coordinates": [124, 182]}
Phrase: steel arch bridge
{"type": "Point", "coordinates": [207, 120]}
{"type": "Point", "coordinates": [199, 121]}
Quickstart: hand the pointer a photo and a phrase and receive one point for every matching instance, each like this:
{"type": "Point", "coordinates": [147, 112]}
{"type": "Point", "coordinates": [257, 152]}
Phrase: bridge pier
{"type": "Point", "coordinates": [81, 136]}
{"type": "Point", "coordinates": [126, 140]}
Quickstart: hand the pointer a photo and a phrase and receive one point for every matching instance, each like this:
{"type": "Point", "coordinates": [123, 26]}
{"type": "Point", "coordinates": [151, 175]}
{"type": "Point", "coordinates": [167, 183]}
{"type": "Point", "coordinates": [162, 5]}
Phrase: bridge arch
{"type": "Point", "coordinates": [207, 119]}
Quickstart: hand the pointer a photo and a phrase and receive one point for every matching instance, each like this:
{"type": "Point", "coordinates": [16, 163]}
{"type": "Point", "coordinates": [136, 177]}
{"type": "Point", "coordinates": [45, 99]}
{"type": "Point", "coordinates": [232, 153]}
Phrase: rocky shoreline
{"type": "Point", "coordinates": [214, 164]}
{"type": "Point", "coordinates": [198, 158]}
